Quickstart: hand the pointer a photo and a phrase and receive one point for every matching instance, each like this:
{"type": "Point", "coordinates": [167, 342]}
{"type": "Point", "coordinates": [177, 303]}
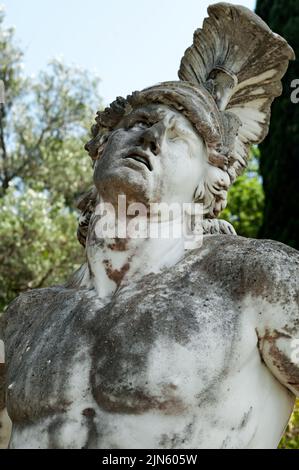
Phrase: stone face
{"type": "Point", "coordinates": [154, 368]}
{"type": "Point", "coordinates": [150, 345]}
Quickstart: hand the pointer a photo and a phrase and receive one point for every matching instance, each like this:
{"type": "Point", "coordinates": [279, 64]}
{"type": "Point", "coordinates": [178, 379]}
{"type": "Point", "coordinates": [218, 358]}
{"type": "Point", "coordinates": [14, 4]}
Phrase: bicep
{"type": "Point", "coordinates": [5, 423]}
{"type": "Point", "coordinates": [280, 352]}
{"type": "Point", "coordinates": [278, 314]}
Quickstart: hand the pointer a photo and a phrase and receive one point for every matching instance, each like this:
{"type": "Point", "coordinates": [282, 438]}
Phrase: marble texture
{"type": "Point", "coordinates": [197, 356]}
{"type": "Point", "coordinates": [150, 344]}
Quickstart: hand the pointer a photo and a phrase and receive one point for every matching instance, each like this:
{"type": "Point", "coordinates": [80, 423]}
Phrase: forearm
{"type": "Point", "coordinates": [5, 423]}
{"type": "Point", "coordinates": [5, 429]}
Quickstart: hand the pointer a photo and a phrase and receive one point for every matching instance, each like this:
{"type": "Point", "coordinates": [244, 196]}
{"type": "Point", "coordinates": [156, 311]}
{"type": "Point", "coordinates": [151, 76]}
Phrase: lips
{"type": "Point", "coordinates": [140, 157]}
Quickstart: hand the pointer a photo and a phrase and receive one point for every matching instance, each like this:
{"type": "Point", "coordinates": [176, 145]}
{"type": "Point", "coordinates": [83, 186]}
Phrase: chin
{"type": "Point", "coordinates": [125, 182]}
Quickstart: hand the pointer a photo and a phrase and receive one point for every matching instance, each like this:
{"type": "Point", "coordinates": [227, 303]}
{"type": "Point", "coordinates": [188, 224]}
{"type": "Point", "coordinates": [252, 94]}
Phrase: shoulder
{"type": "Point", "coordinates": [261, 267]}
{"type": "Point", "coordinates": [26, 309]}
{"type": "Point", "coordinates": [29, 301]}
{"type": "Point", "coordinates": [31, 310]}
{"type": "Point", "coordinates": [270, 251]}
{"type": "Point", "coordinates": [236, 251]}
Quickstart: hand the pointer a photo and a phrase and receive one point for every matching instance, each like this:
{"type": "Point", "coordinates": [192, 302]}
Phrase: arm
{"type": "Point", "coordinates": [278, 325]}
{"type": "Point", "coordinates": [5, 423]}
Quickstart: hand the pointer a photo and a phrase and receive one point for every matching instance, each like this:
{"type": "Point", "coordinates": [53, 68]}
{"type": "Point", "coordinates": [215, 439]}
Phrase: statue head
{"type": "Point", "coordinates": [188, 140]}
{"type": "Point", "coordinates": [153, 155]}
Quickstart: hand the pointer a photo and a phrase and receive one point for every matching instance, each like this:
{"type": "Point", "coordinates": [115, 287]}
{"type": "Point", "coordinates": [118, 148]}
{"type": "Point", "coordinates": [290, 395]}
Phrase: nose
{"type": "Point", "coordinates": [151, 138]}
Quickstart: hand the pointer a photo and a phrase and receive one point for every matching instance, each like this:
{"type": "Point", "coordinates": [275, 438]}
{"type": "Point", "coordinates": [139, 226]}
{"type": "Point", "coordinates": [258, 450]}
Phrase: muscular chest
{"type": "Point", "coordinates": [160, 344]}
{"type": "Point", "coordinates": [151, 361]}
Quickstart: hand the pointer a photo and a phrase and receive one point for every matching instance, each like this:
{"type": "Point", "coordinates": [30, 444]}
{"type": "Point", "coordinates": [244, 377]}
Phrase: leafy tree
{"type": "Point", "coordinates": [38, 243]}
{"type": "Point", "coordinates": [44, 124]}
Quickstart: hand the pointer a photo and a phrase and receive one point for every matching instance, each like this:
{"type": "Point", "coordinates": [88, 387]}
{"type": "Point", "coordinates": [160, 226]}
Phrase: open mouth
{"type": "Point", "coordinates": [141, 158]}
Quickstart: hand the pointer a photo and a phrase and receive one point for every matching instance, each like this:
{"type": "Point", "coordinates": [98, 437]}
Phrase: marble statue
{"type": "Point", "coordinates": [150, 344]}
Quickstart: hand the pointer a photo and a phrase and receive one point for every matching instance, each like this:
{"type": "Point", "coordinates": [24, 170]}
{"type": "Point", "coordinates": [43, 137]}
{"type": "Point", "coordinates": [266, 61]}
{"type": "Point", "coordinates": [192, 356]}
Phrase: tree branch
{"type": "Point", "coordinates": [43, 279]}
{"type": "Point", "coordinates": [5, 179]}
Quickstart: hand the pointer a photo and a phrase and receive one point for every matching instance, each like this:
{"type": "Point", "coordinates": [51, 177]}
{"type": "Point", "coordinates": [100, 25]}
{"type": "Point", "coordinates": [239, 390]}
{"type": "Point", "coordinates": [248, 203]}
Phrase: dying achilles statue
{"type": "Point", "coordinates": [150, 344]}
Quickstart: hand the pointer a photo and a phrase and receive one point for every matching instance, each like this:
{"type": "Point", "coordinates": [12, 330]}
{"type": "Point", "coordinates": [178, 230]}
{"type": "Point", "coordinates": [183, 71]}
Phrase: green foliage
{"type": "Point", "coordinates": [10, 71]}
{"type": "Point", "coordinates": [44, 130]}
{"type": "Point", "coordinates": [44, 124]}
{"type": "Point", "coordinates": [38, 242]}
{"type": "Point", "coordinates": [290, 439]}
{"type": "Point", "coordinates": [246, 201]}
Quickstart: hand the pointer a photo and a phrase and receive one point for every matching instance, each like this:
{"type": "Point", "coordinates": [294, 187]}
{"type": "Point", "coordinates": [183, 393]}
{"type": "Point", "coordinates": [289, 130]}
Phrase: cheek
{"type": "Point", "coordinates": [187, 178]}
{"type": "Point", "coordinates": [119, 140]}
{"type": "Point", "coordinates": [186, 166]}
{"type": "Point", "coordinates": [182, 171]}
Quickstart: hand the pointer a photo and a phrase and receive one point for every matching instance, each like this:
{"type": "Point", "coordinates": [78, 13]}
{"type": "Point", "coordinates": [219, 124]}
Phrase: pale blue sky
{"type": "Point", "coordinates": [130, 44]}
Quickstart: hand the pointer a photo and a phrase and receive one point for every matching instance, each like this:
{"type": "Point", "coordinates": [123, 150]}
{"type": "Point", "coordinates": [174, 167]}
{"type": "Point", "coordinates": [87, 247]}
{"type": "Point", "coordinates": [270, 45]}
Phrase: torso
{"type": "Point", "coordinates": [171, 362]}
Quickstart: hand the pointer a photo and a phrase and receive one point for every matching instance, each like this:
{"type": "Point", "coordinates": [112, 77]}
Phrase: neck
{"type": "Point", "coordinates": [115, 262]}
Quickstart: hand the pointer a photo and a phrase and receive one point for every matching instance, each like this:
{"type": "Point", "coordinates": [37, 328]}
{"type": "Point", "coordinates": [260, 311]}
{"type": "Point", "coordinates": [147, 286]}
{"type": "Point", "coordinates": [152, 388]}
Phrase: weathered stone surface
{"type": "Point", "coordinates": [149, 345]}
{"type": "Point", "coordinates": [175, 347]}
